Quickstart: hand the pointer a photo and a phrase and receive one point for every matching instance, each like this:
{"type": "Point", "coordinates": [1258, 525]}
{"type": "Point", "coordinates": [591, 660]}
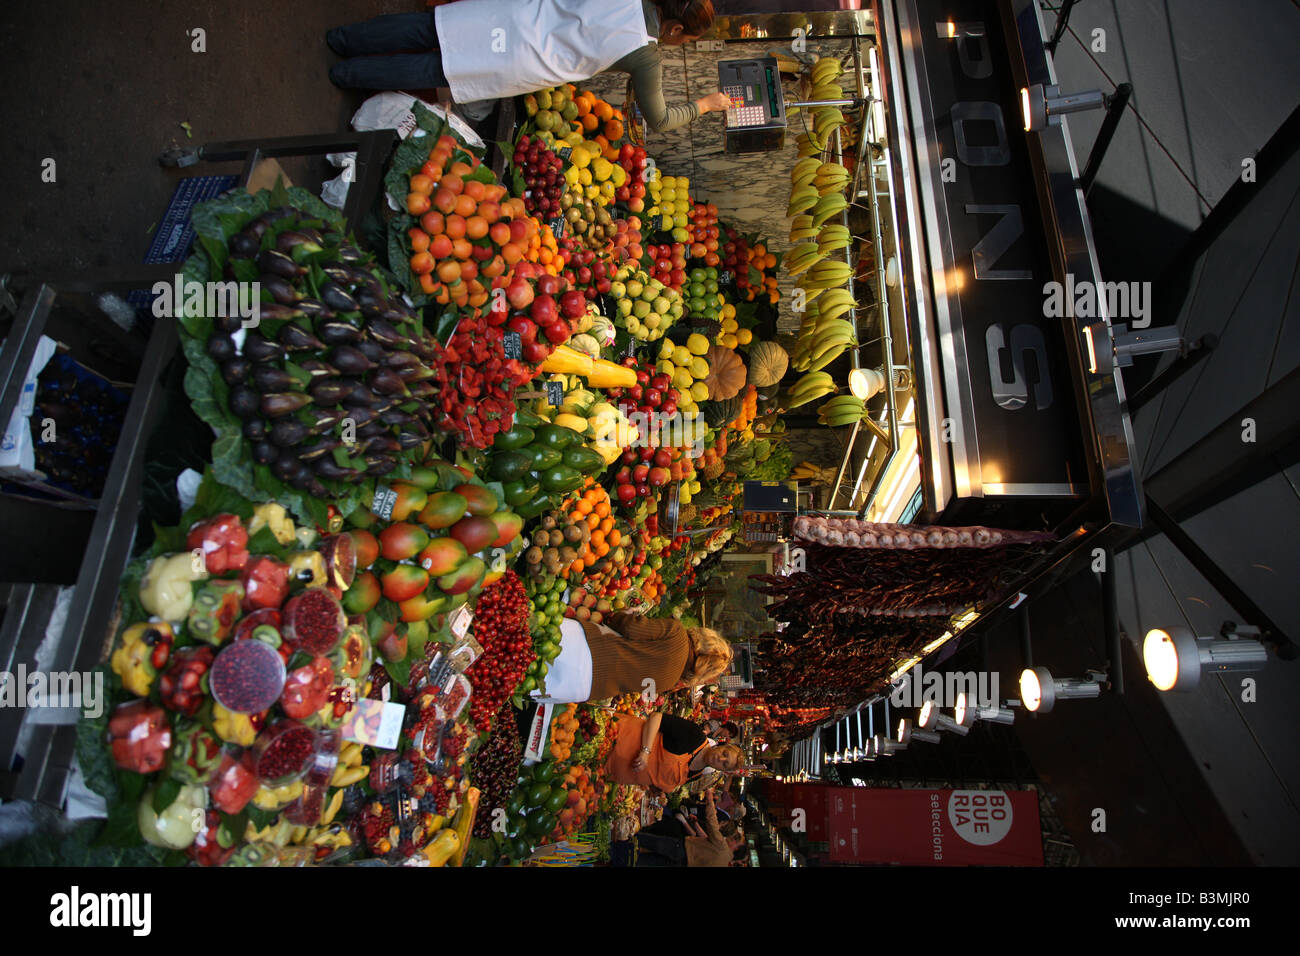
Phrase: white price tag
{"type": "Point", "coordinates": [460, 621]}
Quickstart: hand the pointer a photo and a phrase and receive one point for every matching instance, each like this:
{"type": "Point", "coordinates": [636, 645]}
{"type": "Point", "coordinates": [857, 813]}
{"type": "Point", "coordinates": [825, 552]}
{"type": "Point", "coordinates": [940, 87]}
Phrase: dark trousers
{"type": "Point", "coordinates": [362, 70]}
{"type": "Point", "coordinates": [656, 850]}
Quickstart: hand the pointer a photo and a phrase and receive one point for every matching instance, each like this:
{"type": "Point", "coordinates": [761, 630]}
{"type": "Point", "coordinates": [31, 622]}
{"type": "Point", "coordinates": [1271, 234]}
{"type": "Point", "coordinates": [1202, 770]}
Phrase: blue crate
{"type": "Point", "coordinates": [174, 235]}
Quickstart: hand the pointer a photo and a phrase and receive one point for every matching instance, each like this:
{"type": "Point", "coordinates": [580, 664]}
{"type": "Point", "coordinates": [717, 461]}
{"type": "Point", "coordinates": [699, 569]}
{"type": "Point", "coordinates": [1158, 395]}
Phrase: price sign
{"type": "Point", "coordinates": [384, 500]}
{"type": "Point", "coordinates": [555, 393]}
{"type": "Point", "coordinates": [460, 621]}
{"type": "Point", "coordinates": [557, 226]}
{"type": "Point", "coordinates": [564, 152]}
{"type": "Point", "coordinates": [514, 345]}
{"type": "Point", "coordinates": [630, 351]}
{"type": "Point", "coordinates": [725, 277]}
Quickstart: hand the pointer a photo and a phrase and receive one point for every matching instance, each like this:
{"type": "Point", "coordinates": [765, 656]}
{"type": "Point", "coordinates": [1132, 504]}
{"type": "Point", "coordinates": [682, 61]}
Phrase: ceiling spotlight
{"type": "Point", "coordinates": [907, 733]}
{"type": "Point", "coordinates": [966, 716]}
{"type": "Point", "coordinates": [1040, 104]}
{"type": "Point", "coordinates": [865, 383]}
{"type": "Point", "coordinates": [1175, 657]}
{"type": "Point", "coordinates": [1039, 690]}
{"type": "Point", "coordinates": [931, 719]}
{"type": "Point", "coordinates": [886, 747]}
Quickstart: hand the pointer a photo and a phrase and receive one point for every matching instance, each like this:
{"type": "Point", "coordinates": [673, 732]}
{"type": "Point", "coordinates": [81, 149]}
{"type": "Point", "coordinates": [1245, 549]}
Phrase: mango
{"type": "Point", "coordinates": [508, 525]}
{"type": "Point", "coordinates": [478, 500]}
{"type": "Point", "coordinates": [363, 595]}
{"type": "Point", "coordinates": [443, 510]}
{"type": "Point", "coordinates": [475, 533]}
{"type": "Point", "coordinates": [465, 577]}
{"type": "Point", "coordinates": [442, 555]}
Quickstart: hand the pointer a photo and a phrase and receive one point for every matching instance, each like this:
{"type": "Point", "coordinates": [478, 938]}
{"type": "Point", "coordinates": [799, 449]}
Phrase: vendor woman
{"type": "Point", "coordinates": [665, 752]}
{"type": "Point", "coordinates": [486, 49]}
{"type": "Point", "coordinates": [633, 655]}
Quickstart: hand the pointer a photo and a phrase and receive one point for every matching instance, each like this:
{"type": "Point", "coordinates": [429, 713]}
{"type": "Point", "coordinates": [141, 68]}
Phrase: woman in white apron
{"type": "Point", "coordinates": [487, 49]}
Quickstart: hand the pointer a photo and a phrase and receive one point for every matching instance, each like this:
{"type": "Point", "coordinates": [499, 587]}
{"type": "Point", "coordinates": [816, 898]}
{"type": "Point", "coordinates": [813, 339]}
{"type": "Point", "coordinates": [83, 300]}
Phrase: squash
{"type": "Point", "coordinates": [721, 413]}
{"type": "Point", "coordinates": [726, 373]}
{"type": "Point", "coordinates": [768, 363]}
{"type": "Point", "coordinates": [606, 374]}
{"type": "Point", "coordinates": [585, 344]}
{"type": "Point", "coordinates": [566, 361]}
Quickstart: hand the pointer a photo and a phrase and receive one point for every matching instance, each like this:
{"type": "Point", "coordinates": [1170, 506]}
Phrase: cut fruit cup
{"type": "Point", "coordinates": [247, 676]}
{"type": "Point", "coordinates": [314, 621]}
{"type": "Point", "coordinates": [283, 752]}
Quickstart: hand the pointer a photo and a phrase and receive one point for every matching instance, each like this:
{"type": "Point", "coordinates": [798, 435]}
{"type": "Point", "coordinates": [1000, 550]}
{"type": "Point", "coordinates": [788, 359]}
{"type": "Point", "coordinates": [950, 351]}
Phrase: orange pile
{"type": "Point", "coordinates": [763, 260]}
{"type": "Point", "coordinates": [597, 117]}
{"type": "Point", "coordinates": [593, 506]}
{"type": "Point", "coordinates": [563, 730]}
{"type": "Point", "coordinates": [583, 800]}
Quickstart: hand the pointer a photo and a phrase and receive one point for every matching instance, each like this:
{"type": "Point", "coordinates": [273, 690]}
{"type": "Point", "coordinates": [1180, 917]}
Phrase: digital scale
{"type": "Point", "coordinates": [756, 120]}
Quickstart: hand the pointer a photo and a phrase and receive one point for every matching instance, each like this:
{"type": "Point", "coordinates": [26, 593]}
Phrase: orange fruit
{"type": "Point", "coordinates": [419, 239]}
{"type": "Point", "coordinates": [455, 226]}
{"type": "Point", "coordinates": [465, 206]}
{"type": "Point", "coordinates": [422, 263]}
{"type": "Point", "coordinates": [603, 110]}
{"type": "Point", "coordinates": [444, 200]}
{"type": "Point", "coordinates": [417, 204]}
{"type": "Point", "coordinates": [449, 270]}
{"type": "Point", "coordinates": [475, 190]}
{"type": "Point", "coordinates": [428, 284]}
{"type": "Point", "coordinates": [461, 249]}
{"type": "Point", "coordinates": [453, 183]}
{"type": "Point", "coordinates": [461, 169]}
{"type": "Point", "coordinates": [433, 223]}
{"type": "Point", "coordinates": [590, 122]}
{"type": "Point", "coordinates": [613, 130]}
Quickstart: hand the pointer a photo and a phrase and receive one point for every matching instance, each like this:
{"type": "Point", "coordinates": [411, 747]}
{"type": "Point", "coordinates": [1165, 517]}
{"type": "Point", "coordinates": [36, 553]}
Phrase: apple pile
{"type": "Point", "coordinates": [543, 174]}
{"type": "Point", "coordinates": [537, 307]}
{"type": "Point", "coordinates": [668, 263]}
{"type": "Point", "coordinates": [587, 271]}
{"type": "Point", "coordinates": [632, 192]}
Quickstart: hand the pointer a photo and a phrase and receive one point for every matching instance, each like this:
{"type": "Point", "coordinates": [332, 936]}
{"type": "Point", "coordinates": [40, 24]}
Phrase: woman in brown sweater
{"type": "Point", "coordinates": [636, 655]}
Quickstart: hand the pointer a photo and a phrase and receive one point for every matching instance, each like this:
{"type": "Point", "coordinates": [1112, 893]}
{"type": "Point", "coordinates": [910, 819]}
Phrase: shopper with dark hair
{"type": "Point", "coordinates": [685, 842]}
{"type": "Point", "coordinates": [487, 49]}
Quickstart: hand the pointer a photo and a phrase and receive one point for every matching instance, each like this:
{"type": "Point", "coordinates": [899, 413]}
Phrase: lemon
{"type": "Point", "coordinates": [584, 175]}
{"type": "Point", "coordinates": [666, 351]}
{"type": "Point", "coordinates": [580, 158]}
{"type": "Point", "coordinates": [666, 366]}
{"type": "Point", "coordinates": [668, 222]}
{"type": "Point", "coordinates": [729, 341]}
{"type": "Point", "coordinates": [682, 379]}
{"type": "Point", "coordinates": [699, 392]}
{"type": "Point", "coordinates": [729, 325]}
{"type": "Point", "coordinates": [681, 355]}
{"type": "Point", "coordinates": [697, 344]}
{"type": "Point", "coordinates": [699, 368]}
{"type": "Point", "coordinates": [667, 194]}
{"type": "Point", "coordinates": [744, 337]}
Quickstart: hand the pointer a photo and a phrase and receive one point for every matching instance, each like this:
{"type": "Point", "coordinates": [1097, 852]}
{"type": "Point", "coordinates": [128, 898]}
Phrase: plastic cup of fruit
{"type": "Point", "coordinates": [283, 752]}
{"type": "Point", "coordinates": [247, 676]}
{"type": "Point", "coordinates": [314, 621]}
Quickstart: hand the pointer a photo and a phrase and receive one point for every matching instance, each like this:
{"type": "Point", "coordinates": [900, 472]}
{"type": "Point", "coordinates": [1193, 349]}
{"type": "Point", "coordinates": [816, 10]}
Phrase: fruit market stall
{"type": "Point", "coordinates": [533, 397]}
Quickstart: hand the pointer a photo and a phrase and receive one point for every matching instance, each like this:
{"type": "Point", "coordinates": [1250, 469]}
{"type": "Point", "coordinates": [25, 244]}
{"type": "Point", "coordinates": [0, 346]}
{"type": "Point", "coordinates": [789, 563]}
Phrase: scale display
{"type": "Point", "coordinates": [756, 121]}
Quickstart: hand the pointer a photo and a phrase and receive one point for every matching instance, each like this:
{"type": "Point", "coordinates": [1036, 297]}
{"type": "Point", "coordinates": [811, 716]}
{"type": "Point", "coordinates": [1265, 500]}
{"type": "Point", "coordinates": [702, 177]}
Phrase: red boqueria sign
{"type": "Point", "coordinates": [934, 827]}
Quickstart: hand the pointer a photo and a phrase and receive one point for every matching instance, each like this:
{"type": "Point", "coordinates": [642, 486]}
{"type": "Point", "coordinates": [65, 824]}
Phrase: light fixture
{"type": "Point", "coordinates": [1039, 690]}
{"type": "Point", "coordinates": [907, 732]}
{"type": "Point", "coordinates": [966, 716]}
{"type": "Point", "coordinates": [1040, 104]}
{"type": "Point", "coordinates": [931, 719]}
{"type": "Point", "coordinates": [1174, 657]}
{"type": "Point", "coordinates": [865, 383]}
{"type": "Point", "coordinates": [885, 748]}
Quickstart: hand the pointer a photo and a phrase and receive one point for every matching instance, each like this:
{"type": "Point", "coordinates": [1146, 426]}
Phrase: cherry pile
{"type": "Point", "coordinates": [501, 627]}
{"type": "Point", "coordinates": [477, 382]}
{"type": "Point", "coordinates": [543, 174]}
{"type": "Point", "coordinates": [495, 770]}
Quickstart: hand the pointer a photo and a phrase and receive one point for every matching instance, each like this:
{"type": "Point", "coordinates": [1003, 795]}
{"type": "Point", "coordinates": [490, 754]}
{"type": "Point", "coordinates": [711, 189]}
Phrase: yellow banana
{"type": "Point", "coordinates": [827, 206]}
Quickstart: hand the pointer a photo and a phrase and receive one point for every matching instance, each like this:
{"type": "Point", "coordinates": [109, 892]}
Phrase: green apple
{"type": "Point", "coordinates": [662, 305]}
{"type": "Point", "coordinates": [617, 289]}
{"type": "Point", "coordinates": [640, 308]}
{"type": "Point", "coordinates": [633, 288]}
{"type": "Point", "coordinates": [625, 307]}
